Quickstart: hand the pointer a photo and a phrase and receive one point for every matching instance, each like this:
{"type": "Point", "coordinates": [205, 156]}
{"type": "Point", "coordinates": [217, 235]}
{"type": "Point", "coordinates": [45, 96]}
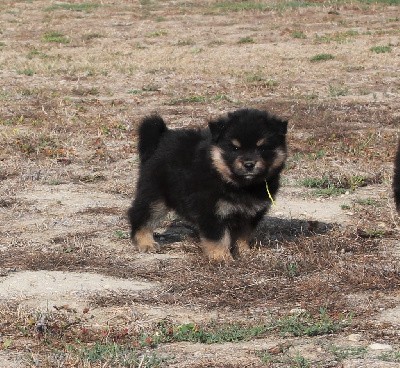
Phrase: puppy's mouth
{"type": "Point", "coordinates": [248, 177]}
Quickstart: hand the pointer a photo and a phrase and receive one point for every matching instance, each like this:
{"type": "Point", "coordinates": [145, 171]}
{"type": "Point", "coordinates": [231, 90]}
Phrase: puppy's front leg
{"type": "Point", "coordinates": [243, 239]}
{"type": "Point", "coordinates": [243, 245]}
{"type": "Point", "coordinates": [218, 250]}
{"type": "Point", "coordinates": [145, 241]}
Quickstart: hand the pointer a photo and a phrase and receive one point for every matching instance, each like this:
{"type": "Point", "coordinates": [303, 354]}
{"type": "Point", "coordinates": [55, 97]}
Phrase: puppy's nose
{"type": "Point", "coordinates": [249, 165]}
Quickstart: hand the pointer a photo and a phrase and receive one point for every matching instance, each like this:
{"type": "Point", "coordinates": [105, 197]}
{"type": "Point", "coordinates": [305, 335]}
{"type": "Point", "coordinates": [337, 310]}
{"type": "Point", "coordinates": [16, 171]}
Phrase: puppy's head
{"type": "Point", "coordinates": [248, 146]}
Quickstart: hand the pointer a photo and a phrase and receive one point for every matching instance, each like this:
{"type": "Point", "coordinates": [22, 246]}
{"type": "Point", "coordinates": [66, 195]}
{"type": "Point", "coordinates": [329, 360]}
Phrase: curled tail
{"type": "Point", "coordinates": [396, 179]}
{"type": "Point", "coordinates": [150, 132]}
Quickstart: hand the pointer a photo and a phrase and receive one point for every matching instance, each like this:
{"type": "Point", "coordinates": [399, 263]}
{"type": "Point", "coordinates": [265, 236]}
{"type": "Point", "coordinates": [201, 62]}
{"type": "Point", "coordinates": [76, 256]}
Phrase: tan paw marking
{"type": "Point", "coordinates": [218, 251]}
{"type": "Point", "coordinates": [145, 241]}
{"type": "Point", "coordinates": [243, 246]}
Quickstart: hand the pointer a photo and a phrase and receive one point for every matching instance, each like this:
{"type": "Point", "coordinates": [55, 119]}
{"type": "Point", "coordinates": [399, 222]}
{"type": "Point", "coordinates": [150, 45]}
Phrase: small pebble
{"type": "Point", "coordinates": [354, 337]}
{"type": "Point", "coordinates": [378, 346]}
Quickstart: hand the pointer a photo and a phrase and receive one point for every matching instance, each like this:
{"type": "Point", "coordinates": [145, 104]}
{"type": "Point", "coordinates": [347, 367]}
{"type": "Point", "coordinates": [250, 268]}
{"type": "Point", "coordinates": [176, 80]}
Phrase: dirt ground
{"type": "Point", "coordinates": [321, 288]}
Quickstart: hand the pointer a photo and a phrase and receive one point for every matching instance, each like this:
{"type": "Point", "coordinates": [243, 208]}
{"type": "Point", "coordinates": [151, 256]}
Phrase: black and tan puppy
{"type": "Point", "coordinates": [221, 179]}
{"type": "Point", "coordinates": [396, 179]}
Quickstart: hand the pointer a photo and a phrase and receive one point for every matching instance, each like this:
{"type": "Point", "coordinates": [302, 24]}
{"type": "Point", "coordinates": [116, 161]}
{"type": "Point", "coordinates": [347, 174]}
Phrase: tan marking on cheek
{"type": "Point", "coordinates": [238, 164]}
{"type": "Point", "coordinates": [220, 164]}
{"type": "Point", "coordinates": [260, 165]}
{"type": "Point", "coordinates": [279, 159]}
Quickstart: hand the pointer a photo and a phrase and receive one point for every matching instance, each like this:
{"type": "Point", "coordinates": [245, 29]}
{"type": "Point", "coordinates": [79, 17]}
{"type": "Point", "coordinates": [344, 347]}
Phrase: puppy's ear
{"type": "Point", "coordinates": [280, 125]}
{"type": "Point", "coordinates": [217, 127]}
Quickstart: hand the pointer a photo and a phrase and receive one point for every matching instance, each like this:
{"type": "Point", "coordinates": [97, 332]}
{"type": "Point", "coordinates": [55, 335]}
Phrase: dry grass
{"type": "Point", "coordinates": [68, 116]}
{"type": "Point", "coordinates": [311, 272]}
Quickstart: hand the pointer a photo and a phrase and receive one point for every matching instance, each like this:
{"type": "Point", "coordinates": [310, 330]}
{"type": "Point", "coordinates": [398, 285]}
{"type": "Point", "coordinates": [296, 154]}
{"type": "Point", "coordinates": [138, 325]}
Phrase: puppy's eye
{"type": "Point", "coordinates": [235, 144]}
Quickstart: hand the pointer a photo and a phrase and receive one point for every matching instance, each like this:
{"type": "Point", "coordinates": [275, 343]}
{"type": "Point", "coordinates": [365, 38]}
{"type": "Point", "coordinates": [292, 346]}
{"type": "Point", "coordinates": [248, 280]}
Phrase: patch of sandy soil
{"type": "Point", "coordinates": [299, 203]}
{"type": "Point", "coordinates": [9, 360]}
{"type": "Point", "coordinates": [361, 363]}
{"type": "Point", "coordinates": [43, 289]}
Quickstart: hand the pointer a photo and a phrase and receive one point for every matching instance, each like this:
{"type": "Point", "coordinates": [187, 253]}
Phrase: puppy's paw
{"type": "Point", "coordinates": [243, 246]}
{"type": "Point", "coordinates": [145, 242]}
{"type": "Point", "coordinates": [219, 256]}
{"type": "Point", "coordinates": [217, 252]}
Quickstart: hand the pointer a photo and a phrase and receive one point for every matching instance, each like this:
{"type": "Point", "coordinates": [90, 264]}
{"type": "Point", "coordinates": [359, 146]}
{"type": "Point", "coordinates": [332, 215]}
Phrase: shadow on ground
{"type": "Point", "coordinates": [271, 230]}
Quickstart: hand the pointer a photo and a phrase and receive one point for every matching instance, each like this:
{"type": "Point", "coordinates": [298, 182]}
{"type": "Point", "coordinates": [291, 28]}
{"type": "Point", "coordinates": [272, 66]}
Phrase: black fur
{"type": "Point", "coordinates": [150, 133]}
{"type": "Point", "coordinates": [396, 179]}
{"type": "Point", "coordinates": [215, 178]}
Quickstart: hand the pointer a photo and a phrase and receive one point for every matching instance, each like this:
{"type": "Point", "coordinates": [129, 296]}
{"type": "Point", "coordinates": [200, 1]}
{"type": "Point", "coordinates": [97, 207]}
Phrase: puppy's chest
{"type": "Point", "coordinates": [241, 205]}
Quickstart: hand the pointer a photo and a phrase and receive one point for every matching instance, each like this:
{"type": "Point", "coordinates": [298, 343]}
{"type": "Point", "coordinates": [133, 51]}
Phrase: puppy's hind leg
{"type": "Point", "coordinates": [143, 218]}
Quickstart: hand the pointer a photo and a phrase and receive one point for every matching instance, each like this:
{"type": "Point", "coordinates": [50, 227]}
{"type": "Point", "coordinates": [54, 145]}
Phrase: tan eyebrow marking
{"type": "Point", "coordinates": [236, 143]}
{"type": "Point", "coordinates": [261, 142]}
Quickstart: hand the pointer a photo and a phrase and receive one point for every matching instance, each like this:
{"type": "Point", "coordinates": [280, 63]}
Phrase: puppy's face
{"type": "Point", "coordinates": [248, 146]}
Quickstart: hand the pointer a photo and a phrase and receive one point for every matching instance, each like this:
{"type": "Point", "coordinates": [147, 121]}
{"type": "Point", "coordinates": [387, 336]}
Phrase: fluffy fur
{"type": "Point", "coordinates": [215, 178]}
{"type": "Point", "coordinates": [396, 179]}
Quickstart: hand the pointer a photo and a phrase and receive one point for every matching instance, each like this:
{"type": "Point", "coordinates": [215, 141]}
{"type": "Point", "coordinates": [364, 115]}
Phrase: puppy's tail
{"type": "Point", "coordinates": [150, 131]}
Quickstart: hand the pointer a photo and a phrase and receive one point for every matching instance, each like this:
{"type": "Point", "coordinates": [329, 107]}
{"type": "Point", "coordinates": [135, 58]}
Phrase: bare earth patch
{"type": "Point", "coordinates": [321, 286]}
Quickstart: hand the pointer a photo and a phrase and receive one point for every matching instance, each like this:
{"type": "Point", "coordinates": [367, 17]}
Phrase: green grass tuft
{"type": "Point", "coordinates": [304, 324]}
{"type": "Point", "coordinates": [367, 202]}
{"type": "Point", "coordinates": [331, 186]}
{"type": "Point", "coordinates": [298, 34]}
{"type": "Point", "coordinates": [158, 33]}
{"type": "Point", "coordinates": [342, 353]}
{"type": "Point", "coordinates": [192, 332]}
{"type": "Point", "coordinates": [381, 49]}
{"type": "Point", "coordinates": [246, 40]}
{"type": "Point", "coordinates": [185, 42]}
{"type": "Point", "coordinates": [80, 7]}
{"type": "Point", "coordinates": [115, 355]}
{"type": "Point", "coordinates": [339, 37]}
{"type": "Point", "coordinates": [321, 57]}
{"type": "Point", "coordinates": [390, 356]}
{"type": "Point", "coordinates": [186, 100]}
{"type": "Point", "coordinates": [338, 90]}
{"type": "Point", "coordinates": [323, 182]}
{"type": "Point", "coordinates": [288, 360]}
{"type": "Point", "coordinates": [29, 72]}
{"type": "Point", "coordinates": [240, 6]}
{"type": "Point", "coordinates": [36, 53]}
{"type": "Point", "coordinates": [385, 2]}
{"type": "Point", "coordinates": [120, 234]}
{"type": "Point", "coordinates": [91, 36]}
{"type": "Point", "coordinates": [55, 37]}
